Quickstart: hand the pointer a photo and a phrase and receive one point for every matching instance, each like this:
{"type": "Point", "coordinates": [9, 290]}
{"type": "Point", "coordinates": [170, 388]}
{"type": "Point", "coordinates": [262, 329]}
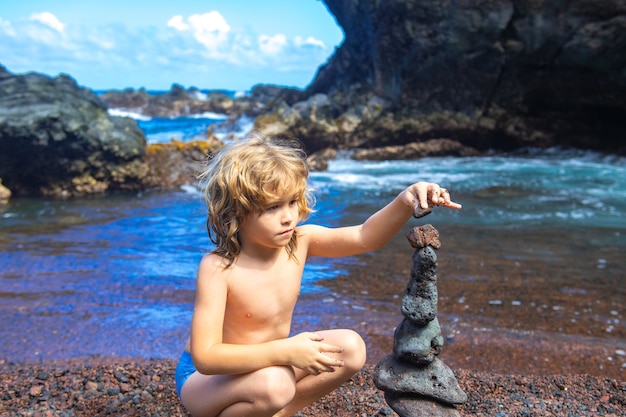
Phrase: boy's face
{"type": "Point", "coordinates": [272, 226]}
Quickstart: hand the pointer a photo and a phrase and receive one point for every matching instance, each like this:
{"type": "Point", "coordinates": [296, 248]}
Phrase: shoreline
{"type": "Point", "coordinates": [119, 386]}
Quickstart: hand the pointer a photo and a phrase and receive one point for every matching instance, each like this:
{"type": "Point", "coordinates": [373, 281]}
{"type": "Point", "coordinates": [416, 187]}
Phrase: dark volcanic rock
{"type": "Point", "coordinates": [435, 381]}
{"type": "Point", "coordinates": [416, 150]}
{"type": "Point", "coordinates": [417, 344]}
{"type": "Point", "coordinates": [419, 302]}
{"type": "Point", "coordinates": [176, 102]}
{"type": "Point", "coordinates": [57, 139]}
{"type": "Point", "coordinates": [179, 101]}
{"type": "Point", "coordinates": [490, 74]}
{"type": "Point", "coordinates": [415, 381]}
{"type": "Point", "coordinates": [415, 406]}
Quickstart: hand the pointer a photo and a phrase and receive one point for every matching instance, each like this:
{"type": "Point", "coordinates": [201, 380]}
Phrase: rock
{"type": "Point", "coordinates": [91, 386]}
{"type": "Point", "coordinates": [419, 212]}
{"type": "Point", "coordinates": [416, 150]}
{"type": "Point", "coordinates": [426, 235]}
{"type": "Point", "coordinates": [179, 101]}
{"type": "Point", "coordinates": [319, 160]}
{"type": "Point", "coordinates": [36, 390]}
{"type": "Point", "coordinates": [415, 381]}
{"type": "Point", "coordinates": [311, 121]}
{"type": "Point", "coordinates": [146, 396]}
{"type": "Point", "coordinates": [176, 163]}
{"type": "Point", "coordinates": [120, 375]}
{"type": "Point", "coordinates": [173, 103]}
{"type": "Point", "coordinates": [319, 121]}
{"type": "Point", "coordinates": [408, 405]}
{"type": "Point", "coordinates": [418, 344]}
{"type": "Point", "coordinates": [489, 75]}
{"type": "Point", "coordinates": [435, 381]}
{"type": "Point", "coordinates": [419, 302]}
{"type": "Point", "coordinates": [42, 375]}
{"type": "Point", "coordinates": [58, 139]}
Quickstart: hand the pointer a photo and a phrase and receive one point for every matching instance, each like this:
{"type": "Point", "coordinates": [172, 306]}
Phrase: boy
{"type": "Point", "coordinates": [240, 359]}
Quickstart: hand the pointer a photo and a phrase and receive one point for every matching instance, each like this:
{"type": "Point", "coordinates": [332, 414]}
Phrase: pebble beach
{"type": "Point", "coordinates": [114, 387]}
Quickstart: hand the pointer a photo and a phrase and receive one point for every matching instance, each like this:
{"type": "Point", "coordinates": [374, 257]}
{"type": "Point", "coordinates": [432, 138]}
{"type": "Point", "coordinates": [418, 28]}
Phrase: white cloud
{"type": "Point", "coordinates": [309, 41]}
{"type": "Point", "coordinates": [49, 20]}
{"type": "Point", "coordinates": [178, 23]}
{"type": "Point", "coordinates": [196, 47]}
{"type": "Point", "coordinates": [209, 29]}
{"type": "Point", "coordinates": [272, 45]}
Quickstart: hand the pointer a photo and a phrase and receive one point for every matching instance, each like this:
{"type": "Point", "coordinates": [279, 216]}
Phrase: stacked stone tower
{"type": "Point", "coordinates": [416, 383]}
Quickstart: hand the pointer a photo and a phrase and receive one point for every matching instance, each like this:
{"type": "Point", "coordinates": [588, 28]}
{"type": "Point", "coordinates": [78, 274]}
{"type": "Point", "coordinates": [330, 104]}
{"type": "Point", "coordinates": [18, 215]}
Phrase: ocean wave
{"type": "Point", "coordinates": [208, 115]}
{"type": "Point", "coordinates": [199, 95]}
{"type": "Point", "coordinates": [193, 189]}
{"type": "Point", "coordinates": [531, 188]}
{"type": "Point", "coordinates": [241, 126]}
{"type": "Point", "coordinates": [137, 115]}
{"type": "Point", "coordinates": [133, 114]}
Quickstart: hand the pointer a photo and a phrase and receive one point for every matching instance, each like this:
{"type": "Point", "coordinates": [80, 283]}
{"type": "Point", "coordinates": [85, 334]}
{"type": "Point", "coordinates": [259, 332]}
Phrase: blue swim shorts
{"type": "Point", "coordinates": [184, 369]}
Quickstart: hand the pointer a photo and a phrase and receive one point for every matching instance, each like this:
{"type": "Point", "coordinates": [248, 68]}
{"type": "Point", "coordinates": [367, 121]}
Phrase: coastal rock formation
{"type": "Point", "coordinates": [176, 163]}
{"type": "Point", "coordinates": [58, 139]}
{"type": "Point", "coordinates": [489, 74]}
{"type": "Point", "coordinates": [416, 383]}
{"type": "Point", "coordinates": [416, 150]}
{"type": "Point", "coordinates": [176, 102]}
{"type": "Point", "coordinates": [179, 101]}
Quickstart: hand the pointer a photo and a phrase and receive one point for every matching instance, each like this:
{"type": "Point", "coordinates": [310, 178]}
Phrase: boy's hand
{"type": "Point", "coordinates": [425, 195]}
{"type": "Point", "coordinates": [308, 354]}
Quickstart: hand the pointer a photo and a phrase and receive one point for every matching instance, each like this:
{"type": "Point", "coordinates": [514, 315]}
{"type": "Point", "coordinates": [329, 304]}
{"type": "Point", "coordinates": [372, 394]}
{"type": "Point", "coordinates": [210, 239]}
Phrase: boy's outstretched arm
{"type": "Point", "coordinates": [380, 227]}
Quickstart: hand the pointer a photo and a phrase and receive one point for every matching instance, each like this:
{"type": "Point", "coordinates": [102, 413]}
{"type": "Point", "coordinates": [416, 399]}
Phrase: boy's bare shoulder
{"type": "Point", "coordinates": [308, 229]}
{"type": "Point", "coordinates": [313, 232]}
{"type": "Point", "coordinates": [212, 266]}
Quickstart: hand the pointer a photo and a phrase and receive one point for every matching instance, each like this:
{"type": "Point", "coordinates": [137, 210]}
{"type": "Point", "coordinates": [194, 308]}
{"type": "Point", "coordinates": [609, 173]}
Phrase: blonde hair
{"type": "Point", "coordinates": [242, 177]}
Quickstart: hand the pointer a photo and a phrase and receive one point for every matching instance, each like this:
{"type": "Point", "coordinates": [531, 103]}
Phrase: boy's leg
{"type": "Point", "coordinates": [310, 388]}
{"type": "Point", "coordinates": [259, 393]}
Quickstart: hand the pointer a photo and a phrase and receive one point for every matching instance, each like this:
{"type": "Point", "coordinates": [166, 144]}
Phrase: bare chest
{"type": "Point", "coordinates": [262, 303]}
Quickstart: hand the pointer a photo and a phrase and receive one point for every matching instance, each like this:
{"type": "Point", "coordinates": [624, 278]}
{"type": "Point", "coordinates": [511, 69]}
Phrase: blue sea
{"type": "Point", "coordinates": [114, 275]}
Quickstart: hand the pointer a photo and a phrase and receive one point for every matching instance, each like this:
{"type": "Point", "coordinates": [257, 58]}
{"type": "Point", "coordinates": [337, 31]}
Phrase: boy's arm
{"type": "Point", "coordinates": [211, 356]}
{"type": "Point", "coordinates": [379, 228]}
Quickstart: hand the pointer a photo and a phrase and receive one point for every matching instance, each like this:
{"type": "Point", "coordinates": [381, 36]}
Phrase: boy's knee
{"type": "Point", "coordinates": [355, 352]}
{"type": "Point", "coordinates": [279, 386]}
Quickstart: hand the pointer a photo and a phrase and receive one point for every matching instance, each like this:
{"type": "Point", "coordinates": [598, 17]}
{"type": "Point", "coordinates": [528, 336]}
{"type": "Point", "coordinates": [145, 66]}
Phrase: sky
{"type": "Point", "coordinates": [115, 44]}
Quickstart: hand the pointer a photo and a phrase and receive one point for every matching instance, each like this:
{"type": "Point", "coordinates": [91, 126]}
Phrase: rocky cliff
{"type": "Point", "coordinates": [491, 74]}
